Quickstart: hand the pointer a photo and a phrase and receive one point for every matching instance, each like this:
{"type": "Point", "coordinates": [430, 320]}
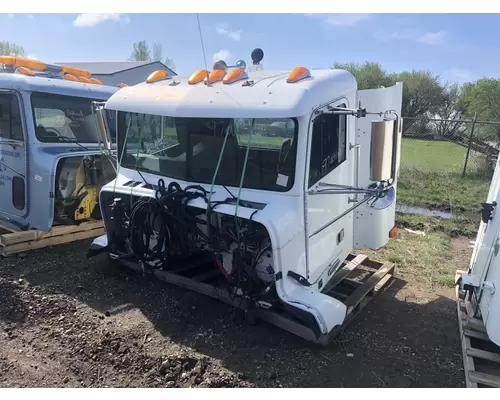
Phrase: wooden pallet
{"type": "Point", "coordinates": [13, 242]}
{"type": "Point", "coordinates": [356, 283]}
{"type": "Point", "coordinates": [481, 356]}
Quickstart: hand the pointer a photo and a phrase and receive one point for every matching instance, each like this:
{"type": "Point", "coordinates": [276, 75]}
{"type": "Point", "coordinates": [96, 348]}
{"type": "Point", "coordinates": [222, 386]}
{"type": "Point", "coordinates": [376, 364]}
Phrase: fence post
{"type": "Point", "coordinates": [470, 144]}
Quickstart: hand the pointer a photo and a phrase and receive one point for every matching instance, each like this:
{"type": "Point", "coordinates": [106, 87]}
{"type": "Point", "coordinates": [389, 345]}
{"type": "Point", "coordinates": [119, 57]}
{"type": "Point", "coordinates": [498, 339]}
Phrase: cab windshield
{"type": "Point", "coordinates": [189, 149]}
{"type": "Point", "coordinates": [60, 118]}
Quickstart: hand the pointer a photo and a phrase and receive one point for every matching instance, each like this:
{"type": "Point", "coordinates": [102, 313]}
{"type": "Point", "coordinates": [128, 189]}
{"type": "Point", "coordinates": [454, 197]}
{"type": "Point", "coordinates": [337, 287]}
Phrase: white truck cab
{"type": "Point", "coordinates": [482, 281]}
{"type": "Point", "coordinates": [276, 175]}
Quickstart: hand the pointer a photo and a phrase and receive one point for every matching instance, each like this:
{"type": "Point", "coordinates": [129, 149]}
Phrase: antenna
{"type": "Point", "coordinates": [202, 45]}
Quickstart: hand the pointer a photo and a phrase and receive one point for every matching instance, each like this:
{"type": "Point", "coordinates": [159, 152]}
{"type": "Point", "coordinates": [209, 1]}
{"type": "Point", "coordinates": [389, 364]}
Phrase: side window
{"type": "Point", "coordinates": [328, 145]}
{"type": "Point", "coordinates": [10, 117]}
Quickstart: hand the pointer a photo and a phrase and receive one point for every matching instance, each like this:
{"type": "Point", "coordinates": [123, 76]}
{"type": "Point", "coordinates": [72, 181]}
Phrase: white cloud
{"type": "Point", "coordinates": [429, 38]}
{"type": "Point", "coordinates": [341, 20]}
{"type": "Point", "coordinates": [223, 29]}
{"type": "Point", "coordinates": [432, 38]}
{"type": "Point", "coordinates": [91, 20]}
{"type": "Point", "coordinates": [224, 55]}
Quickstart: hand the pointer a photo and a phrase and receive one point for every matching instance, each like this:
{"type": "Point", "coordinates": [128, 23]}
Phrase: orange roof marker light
{"type": "Point", "coordinates": [25, 71]}
{"type": "Point", "coordinates": [70, 77]}
{"type": "Point", "coordinates": [157, 76]}
{"type": "Point", "coordinates": [198, 76]}
{"type": "Point", "coordinates": [122, 85]}
{"type": "Point", "coordinates": [75, 71]}
{"type": "Point", "coordinates": [297, 74]}
{"type": "Point", "coordinates": [235, 75]}
{"type": "Point", "coordinates": [216, 76]}
{"type": "Point", "coordinates": [84, 79]}
{"type": "Point", "coordinates": [95, 81]}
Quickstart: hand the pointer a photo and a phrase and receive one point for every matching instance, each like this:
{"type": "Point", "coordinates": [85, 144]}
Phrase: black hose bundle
{"type": "Point", "coordinates": [146, 217]}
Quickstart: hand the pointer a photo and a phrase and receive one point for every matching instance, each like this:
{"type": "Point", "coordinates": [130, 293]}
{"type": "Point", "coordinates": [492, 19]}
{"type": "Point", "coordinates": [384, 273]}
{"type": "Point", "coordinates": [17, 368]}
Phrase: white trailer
{"type": "Point", "coordinates": [275, 175]}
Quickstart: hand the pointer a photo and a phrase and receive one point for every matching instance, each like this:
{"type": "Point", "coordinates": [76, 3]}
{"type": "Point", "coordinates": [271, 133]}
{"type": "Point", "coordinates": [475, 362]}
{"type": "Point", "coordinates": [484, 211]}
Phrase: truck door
{"type": "Point", "coordinates": [13, 185]}
{"type": "Point", "coordinates": [329, 162]}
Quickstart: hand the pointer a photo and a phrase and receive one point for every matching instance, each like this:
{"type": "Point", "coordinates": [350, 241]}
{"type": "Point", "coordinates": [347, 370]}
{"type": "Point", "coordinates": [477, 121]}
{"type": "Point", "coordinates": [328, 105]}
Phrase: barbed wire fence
{"type": "Point", "coordinates": [468, 148]}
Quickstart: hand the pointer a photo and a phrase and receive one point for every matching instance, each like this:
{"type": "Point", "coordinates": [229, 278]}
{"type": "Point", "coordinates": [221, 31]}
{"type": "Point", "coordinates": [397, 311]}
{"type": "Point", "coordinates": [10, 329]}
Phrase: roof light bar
{"type": "Point", "coordinates": [29, 67]}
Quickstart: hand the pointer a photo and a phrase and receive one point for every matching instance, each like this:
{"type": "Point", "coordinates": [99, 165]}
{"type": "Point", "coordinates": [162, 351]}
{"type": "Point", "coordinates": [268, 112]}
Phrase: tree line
{"type": "Point", "coordinates": [427, 96]}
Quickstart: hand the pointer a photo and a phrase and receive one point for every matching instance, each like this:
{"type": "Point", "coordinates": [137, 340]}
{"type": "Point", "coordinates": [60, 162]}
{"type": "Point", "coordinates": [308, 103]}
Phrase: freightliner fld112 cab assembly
{"type": "Point", "coordinates": [271, 177]}
{"type": "Point", "coordinates": [51, 164]}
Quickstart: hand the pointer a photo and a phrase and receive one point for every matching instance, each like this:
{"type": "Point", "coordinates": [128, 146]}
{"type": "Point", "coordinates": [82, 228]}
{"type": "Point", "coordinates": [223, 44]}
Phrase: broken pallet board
{"type": "Point", "coordinates": [22, 241]}
{"type": "Point", "coordinates": [481, 356]}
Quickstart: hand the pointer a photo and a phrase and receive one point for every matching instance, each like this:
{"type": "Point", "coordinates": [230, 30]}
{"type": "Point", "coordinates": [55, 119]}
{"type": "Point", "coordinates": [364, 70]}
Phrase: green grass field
{"type": "Point", "coordinates": [437, 156]}
{"type": "Point", "coordinates": [431, 177]}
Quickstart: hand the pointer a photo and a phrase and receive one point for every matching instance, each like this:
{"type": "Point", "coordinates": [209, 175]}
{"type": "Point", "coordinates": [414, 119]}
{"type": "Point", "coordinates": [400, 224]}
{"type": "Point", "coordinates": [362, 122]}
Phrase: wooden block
{"type": "Point", "coordinates": [484, 379]}
{"type": "Point", "coordinates": [369, 285]}
{"type": "Point", "coordinates": [35, 235]}
{"type": "Point", "coordinates": [485, 355]}
{"type": "Point", "coordinates": [476, 335]}
{"type": "Point", "coordinates": [466, 345]}
{"type": "Point", "coordinates": [50, 241]}
{"type": "Point", "coordinates": [344, 272]}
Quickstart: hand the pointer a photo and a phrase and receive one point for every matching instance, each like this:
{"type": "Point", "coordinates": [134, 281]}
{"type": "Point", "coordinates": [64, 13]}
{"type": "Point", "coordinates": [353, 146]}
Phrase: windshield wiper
{"type": "Point", "coordinates": [69, 140]}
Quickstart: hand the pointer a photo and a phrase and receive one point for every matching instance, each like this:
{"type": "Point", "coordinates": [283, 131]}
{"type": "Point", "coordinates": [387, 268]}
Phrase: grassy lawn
{"type": "Point", "coordinates": [449, 192]}
{"type": "Point", "coordinates": [450, 227]}
{"type": "Point", "coordinates": [431, 178]}
{"type": "Point", "coordinates": [436, 156]}
{"type": "Point", "coordinates": [428, 259]}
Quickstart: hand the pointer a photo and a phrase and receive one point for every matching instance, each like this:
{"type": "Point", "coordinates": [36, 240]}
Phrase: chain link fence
{"type": "Point", "coordinates": [450, 147]}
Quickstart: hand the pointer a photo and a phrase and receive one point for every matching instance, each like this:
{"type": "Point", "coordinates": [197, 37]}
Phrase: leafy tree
{"type": "Point", "coordinates": [369, 75]}
{"type": "Point", "coordinates": [141, 52]}
{"type": "Point", "coordinates": [481, 99]}
{"type": "Point", "coordinates": [450, 111]}
{"type": "Point", "coordinates": [11, 49]}
{"type": "Point", "coordinates": [422, 93]}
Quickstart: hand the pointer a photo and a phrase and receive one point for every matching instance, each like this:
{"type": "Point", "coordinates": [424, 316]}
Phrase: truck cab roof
{"type": "Point", "coordinates": [55, 86]}
{"type": "Point", "coordinates": [264, 94]}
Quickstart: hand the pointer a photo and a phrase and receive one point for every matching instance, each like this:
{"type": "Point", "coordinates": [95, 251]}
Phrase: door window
{"type": "Point", "coordinates": [328, 145]}
{"type": "Point", "coordinates": [10, 117]}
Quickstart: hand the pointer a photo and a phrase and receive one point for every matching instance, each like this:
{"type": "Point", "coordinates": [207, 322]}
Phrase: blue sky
{"type": "Point", "coordinates": [456, 46]}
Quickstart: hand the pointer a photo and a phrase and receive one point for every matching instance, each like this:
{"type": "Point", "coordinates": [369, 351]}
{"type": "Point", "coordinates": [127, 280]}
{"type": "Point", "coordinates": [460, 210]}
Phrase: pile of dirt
{"type": "Point", "coordinates": [42, 331]}
{"type": "Point", "coordinates": [66, 321]}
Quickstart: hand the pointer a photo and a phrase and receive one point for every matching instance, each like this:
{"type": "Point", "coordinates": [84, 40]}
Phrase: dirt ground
{"type": "Point", "coordinates": [66, 321]}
